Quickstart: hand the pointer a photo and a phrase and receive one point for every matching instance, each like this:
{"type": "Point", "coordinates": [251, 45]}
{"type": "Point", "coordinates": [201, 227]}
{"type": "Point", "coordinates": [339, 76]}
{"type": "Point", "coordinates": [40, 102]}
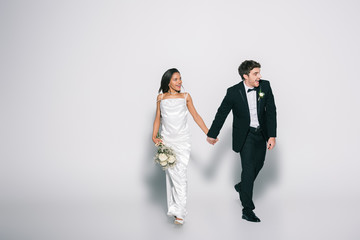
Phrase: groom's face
{"type": "Point", "coordinates": [252, 80]}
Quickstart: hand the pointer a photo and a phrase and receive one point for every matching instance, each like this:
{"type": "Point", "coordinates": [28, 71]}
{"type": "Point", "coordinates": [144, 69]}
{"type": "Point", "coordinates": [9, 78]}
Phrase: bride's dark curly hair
{"type": "Point", "coordinates": [165, 80]}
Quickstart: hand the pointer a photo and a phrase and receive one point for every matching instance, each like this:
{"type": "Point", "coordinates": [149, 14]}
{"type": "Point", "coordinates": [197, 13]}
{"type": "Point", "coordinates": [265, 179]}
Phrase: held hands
{"type": "Point", "coordinates": [271, 143]}
{"type": "Point", "coordinates": [212, 141]}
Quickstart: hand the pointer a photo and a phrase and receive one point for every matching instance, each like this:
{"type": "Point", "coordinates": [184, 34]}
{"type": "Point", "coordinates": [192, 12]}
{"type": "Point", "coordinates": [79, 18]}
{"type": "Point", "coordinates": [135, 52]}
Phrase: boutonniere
{"type": "Point", "coordinates": [261, 94]}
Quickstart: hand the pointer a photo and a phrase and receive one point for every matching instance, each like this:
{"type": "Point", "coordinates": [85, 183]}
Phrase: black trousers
{"type": "Point", "coordinates": [252, 160]}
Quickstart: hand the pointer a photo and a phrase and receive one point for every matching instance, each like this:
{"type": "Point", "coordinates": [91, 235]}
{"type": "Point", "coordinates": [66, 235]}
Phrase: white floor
{"type": "Point", "coordinates": [216, 218]}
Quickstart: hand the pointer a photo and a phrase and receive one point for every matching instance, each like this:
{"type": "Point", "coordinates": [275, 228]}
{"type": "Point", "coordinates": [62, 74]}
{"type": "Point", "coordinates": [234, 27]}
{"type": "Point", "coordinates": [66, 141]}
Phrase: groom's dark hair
{"type": "Point", "coordinates": [246, 66]}
{"type": "Point", "coordinates": [165, 80]}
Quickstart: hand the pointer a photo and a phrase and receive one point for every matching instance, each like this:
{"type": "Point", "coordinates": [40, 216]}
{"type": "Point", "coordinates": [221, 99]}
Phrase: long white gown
{"type": "Point", "coordinates": [175, 133]}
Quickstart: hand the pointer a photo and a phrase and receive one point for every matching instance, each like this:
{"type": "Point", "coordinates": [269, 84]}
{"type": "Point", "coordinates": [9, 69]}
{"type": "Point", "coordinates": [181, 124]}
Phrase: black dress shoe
{"type": "Point", "coordinates": [250, 216]}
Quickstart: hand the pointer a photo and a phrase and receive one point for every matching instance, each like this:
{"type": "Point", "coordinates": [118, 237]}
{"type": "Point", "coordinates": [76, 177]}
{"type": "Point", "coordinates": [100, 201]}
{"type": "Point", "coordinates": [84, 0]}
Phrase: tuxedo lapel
{"type": "Point", "coordinates": [258, 101]}
{"type": "Point", "coordinates": [243, 96]}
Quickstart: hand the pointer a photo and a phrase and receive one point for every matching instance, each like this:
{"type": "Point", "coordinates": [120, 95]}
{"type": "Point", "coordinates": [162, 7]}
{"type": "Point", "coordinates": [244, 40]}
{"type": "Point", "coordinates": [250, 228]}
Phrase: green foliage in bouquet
{"type": "Point", "coordinates": [165, 156]}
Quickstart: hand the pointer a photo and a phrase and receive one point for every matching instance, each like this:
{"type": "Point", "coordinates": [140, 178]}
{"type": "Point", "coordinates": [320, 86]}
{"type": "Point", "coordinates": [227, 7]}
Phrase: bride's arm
{"type": "Point", "coordinates": [197, 118]}
{"type": "Point", "coordinates": [156, 122]}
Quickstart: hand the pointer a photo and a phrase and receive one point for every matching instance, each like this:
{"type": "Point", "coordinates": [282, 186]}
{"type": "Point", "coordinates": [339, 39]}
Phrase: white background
{"type": "Point", "coordinates": [78, 84]}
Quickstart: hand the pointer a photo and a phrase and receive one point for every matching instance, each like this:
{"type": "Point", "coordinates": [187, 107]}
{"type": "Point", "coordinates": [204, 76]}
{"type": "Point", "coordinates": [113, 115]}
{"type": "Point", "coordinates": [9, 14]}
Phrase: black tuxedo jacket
{"type": "Point", "coordinates": [236, 101]}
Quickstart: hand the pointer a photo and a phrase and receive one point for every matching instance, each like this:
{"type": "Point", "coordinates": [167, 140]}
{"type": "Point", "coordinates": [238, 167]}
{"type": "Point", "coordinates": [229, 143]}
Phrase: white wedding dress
{"type": "Point", "coordinates": [175, 133]}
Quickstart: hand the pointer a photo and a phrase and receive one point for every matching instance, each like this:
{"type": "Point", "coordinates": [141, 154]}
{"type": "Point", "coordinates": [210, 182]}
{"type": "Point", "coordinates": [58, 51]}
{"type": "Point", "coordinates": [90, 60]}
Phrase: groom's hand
{"type": "Point", "coordinates": [212, 141]}
{"type": "Point", "coordinates": [271, 143]}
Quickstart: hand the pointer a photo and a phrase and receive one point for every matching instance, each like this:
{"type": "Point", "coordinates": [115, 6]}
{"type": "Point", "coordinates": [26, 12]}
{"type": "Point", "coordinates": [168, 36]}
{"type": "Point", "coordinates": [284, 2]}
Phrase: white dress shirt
{"type": "Point", "coordinates": [251, 97]}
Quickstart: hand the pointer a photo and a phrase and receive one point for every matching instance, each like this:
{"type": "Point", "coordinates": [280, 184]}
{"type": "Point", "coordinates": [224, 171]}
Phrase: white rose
{"type": "Point", "coordinates": [162, 157]}
{"type": "Point", "coordinates": [261, 94]}
{"type": "Point", "coordinates": [171, 159]}
{"type": "Point", "coordinates": [163, 163]}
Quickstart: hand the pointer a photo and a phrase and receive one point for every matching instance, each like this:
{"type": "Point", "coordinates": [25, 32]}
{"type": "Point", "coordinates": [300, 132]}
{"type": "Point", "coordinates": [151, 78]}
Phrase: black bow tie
{"type": "Point", "coordinates": [252, 89]}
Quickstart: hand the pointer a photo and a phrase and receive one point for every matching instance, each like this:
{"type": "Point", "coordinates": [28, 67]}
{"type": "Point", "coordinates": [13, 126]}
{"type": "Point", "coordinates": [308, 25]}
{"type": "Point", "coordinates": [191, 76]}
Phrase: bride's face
{"type": "Point", "coordinates": [175, 82]}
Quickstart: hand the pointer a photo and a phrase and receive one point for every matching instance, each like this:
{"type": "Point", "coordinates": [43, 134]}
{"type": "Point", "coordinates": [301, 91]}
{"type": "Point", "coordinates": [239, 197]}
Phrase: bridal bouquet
{"type": "Point", "coordinates": [165, 156]}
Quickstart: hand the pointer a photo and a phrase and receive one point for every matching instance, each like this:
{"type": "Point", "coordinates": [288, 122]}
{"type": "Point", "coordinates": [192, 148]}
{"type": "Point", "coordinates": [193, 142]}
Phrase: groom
{"type": "Point", "coordinates": [254, 128]}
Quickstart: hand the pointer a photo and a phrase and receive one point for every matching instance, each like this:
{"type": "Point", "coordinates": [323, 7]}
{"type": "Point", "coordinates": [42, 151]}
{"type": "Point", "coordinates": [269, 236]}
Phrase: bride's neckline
{"type": "Point", "coordinates": [172, 98]}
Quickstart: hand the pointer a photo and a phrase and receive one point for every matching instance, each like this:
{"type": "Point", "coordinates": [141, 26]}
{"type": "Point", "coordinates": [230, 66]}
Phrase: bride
{"type": "Point", "coordinates": [172, 109]}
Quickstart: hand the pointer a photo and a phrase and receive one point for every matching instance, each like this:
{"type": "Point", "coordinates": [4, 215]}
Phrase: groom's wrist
{"type": "Point", "coordinates": [210, 135]}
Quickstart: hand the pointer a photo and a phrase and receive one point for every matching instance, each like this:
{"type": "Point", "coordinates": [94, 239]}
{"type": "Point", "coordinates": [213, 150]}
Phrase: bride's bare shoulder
{"type": "Point", "coordinates": [159, 97]}
{"type": "Point", "coordinates": [186, 95]}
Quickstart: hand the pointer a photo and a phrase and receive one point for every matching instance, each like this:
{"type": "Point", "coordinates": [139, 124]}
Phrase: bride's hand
{"type": "Point", "coordinates": [157, 141]}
